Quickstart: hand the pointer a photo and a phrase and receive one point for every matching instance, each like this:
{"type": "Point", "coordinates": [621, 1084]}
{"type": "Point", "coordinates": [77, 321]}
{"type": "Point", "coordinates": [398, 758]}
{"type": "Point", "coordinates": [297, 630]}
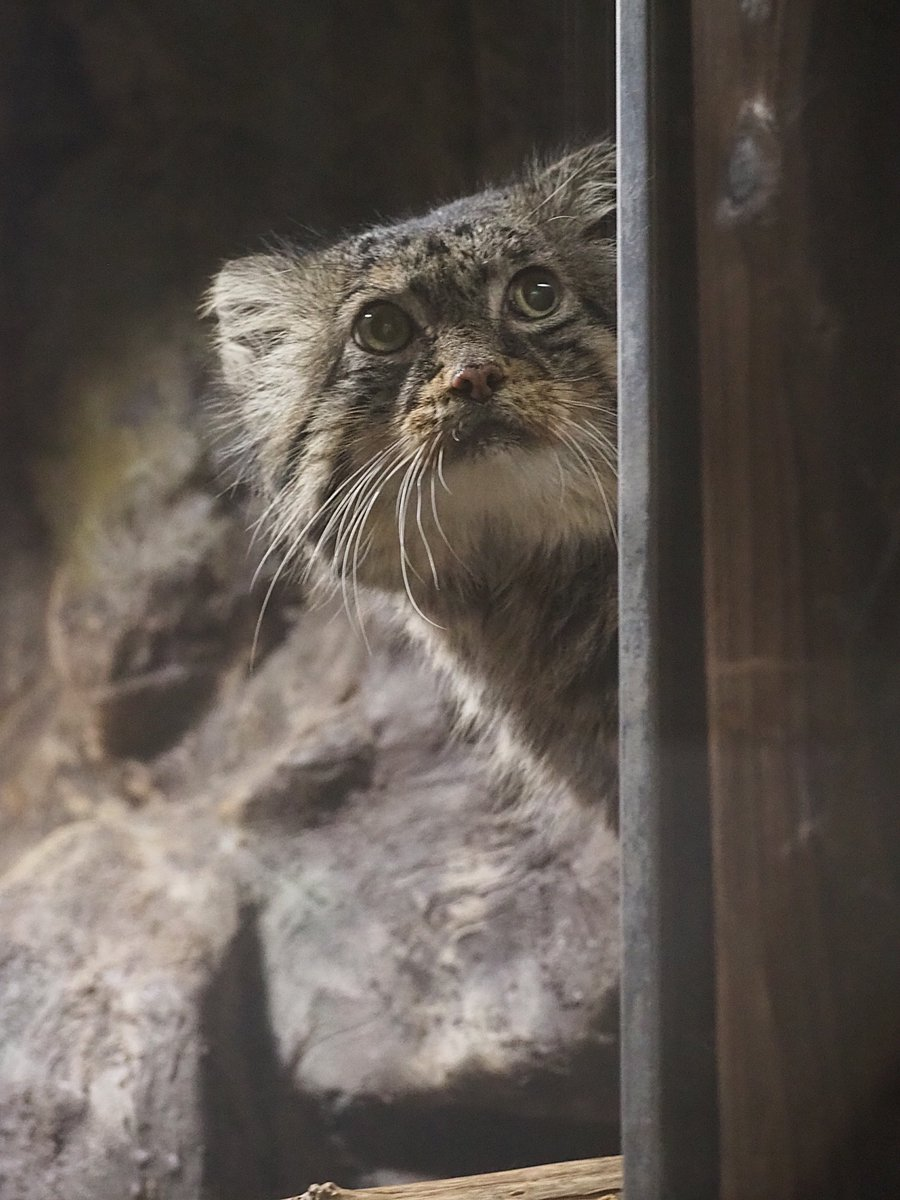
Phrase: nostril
{"type": "Point", "coordinates": [478, 381]}
{"type": "Point", "coordinates": [462, 381]}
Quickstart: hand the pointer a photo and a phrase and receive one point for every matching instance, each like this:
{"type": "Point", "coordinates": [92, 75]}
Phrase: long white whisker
{"type": "Point", "coordinates": [343, 518]}
{"type": "Point", "coordinates": [598, 414]}
{"type": "Point", "coordinates": [595, 411]}
{"type": "Point", "coordinates": [274, 540]}
{"type": "Point", "coordinates": [340, 515]}
{"type": "Point", "coordinates": [440, 469]}
{"type": "Point", "coordinates": [401, 529]}
{"type": "Point", "coordinates": [257, 525]}
{"type": "Point", "coordinates": [355, 533]}
{"type": "Point", "coordinates": [601, 451]}
{"type": "Point", "coordinates": [400, 508]}
{"type": "Point", "coordinates": [343, 540]}
{"type": "Point", "coordinates": [281, 530]}
{"type": "Point", "coordinates": [605, 448]}
{"type": "Point", "coordinates": [299, 536]}
{"type": "Point", "coordinates": [582, 378]}
{"type": "Point", "coordinates": [437, 520]}
{"type": "Point", "coordinates": [421, 528]}
{"type": "Point", "coordinates": [402, 504]}
{"type": "Point", "coordinates": [356, 537]}
{"type": "Point", "coordinates": [288, 555]}
{"type": "Point", "coordinates": [577, 450]}
{"type": "Point", "coordinates": [403, 498]}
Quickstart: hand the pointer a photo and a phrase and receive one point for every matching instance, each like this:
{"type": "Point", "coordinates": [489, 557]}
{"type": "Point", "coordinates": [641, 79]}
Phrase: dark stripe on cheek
{"type": "Point", "coordinates": [562, 323]}
{"type": "Point", "coordinates": [418, 374]}
{"type": "Point", "coordinates": [571, 346]}
{"type": "Point", "coordinates": [294, 453]}
{"type": "Point", "coordinates": [333, 372]}
{"type": "Point", "coordinates": [602, 314]}
{"type": "Point", "coordinates": [339, 472]}
{"type": "Point", "coordinates": [513, 344]}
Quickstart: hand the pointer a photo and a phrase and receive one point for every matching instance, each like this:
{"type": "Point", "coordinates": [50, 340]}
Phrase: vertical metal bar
{"type": "Point", "coordinates": [641, 1142]}
{"type": "Point", "coordinates": [669, 1114]}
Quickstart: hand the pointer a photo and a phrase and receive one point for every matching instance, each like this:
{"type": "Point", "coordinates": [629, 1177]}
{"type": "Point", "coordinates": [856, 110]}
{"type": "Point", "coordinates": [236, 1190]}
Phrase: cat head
{"type": "Point", "coordinates": [414, 395]}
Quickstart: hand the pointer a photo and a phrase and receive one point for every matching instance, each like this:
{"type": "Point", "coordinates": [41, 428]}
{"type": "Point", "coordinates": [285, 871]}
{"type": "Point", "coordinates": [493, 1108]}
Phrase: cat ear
{"type": "Point", "coordinates": [256, 301]}
{"type": "Point", "coordinates": [268, 312]}
{"type": "Point", "coordinates": [580, 185]}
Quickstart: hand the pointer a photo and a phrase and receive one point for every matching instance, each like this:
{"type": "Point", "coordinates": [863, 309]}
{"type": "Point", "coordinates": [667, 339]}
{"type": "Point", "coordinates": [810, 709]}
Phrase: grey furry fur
{"type": "Point", "coordinates": [486, 511]}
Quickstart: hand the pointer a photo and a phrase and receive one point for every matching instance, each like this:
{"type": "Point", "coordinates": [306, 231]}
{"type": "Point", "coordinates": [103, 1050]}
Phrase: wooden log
{"type": "Point", "coordinates": [585, 1179]}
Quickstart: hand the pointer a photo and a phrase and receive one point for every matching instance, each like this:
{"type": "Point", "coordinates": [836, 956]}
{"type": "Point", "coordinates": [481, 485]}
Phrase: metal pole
{"type": "Point", "coordinates": [669, 1115]}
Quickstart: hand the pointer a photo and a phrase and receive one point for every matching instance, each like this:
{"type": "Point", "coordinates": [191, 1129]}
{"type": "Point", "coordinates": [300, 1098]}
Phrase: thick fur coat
{"type": "Point", "coordinates": [429, 411]}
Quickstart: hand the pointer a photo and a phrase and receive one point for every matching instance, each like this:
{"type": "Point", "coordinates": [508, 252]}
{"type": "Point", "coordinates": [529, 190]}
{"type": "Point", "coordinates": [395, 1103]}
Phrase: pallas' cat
{"type": "Point", "coordinates": [429, 411]}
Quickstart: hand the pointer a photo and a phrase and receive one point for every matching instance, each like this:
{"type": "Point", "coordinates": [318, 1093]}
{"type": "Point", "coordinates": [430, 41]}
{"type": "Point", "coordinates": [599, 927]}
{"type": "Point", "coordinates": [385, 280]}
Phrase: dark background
{"type": "Point", "coordinates": [141, 143]}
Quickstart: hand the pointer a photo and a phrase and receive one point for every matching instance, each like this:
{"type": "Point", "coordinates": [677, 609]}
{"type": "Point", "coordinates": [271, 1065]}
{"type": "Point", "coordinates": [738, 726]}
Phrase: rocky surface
{"type": "Point", "coordinates": [261, 919]}
{"type": "Point", "coordinates": [284, 932]}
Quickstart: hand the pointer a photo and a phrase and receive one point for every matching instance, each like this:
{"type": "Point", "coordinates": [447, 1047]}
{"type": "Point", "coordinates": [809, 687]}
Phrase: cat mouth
{"type": "Point", "coordinates": [479, 430]}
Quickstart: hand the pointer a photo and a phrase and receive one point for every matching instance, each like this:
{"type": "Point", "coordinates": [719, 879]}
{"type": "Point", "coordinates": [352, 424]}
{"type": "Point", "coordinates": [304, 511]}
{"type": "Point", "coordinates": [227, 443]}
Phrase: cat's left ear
{"type": "Point", "coordinates": [581, 186]}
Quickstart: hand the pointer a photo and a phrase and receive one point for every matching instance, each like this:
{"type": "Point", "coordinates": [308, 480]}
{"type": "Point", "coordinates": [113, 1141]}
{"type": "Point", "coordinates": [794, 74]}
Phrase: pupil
{"type": "Point", "coordinates": [385, 326]}
{"type": "Point", "coordinates": [382, 329]}
{"type": "Point", "coordinates": [540, 296]}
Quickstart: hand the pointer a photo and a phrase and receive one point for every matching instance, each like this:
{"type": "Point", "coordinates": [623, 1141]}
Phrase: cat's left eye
{"type": "Point", "coordinates": [535, 293]}
{"type": "Point", "coordinates": [382, 328]}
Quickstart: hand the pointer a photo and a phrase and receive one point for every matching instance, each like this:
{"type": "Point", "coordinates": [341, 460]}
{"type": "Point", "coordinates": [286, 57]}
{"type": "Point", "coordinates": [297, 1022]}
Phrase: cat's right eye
{"type": "Point", "coordinates": [534, 293]}
{"type": "Point", "coordinates": [382, 328]}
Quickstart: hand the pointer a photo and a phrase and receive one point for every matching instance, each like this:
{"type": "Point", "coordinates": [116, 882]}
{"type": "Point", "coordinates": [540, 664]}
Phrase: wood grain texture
{"type": "Point", "coordinates": [585, 1179]}
{"type": "Point", "coordinates": [795, 164]}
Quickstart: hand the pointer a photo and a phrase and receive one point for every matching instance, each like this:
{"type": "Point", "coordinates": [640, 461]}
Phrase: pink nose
{"type": "Point", "coordinates": [478, 381]}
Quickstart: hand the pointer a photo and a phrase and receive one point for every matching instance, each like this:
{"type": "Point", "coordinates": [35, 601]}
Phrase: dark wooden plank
{"type": "Point", "coordinates": [668, 1081]}
{"type": "Point", "coordinates": [796, 132]}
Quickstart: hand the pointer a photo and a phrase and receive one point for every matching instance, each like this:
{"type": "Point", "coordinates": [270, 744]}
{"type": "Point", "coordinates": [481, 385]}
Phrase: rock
{"type": "Point", "coordinates": [354, 964]}
{"type": "Point", "coordinates": [185, 1008]}
{"type": "Point", "coordinates": [110, 940]}
{"type": "Point", "coordinates": [312, 781]}
{"type": "Point", "coordinates": [142, 615]}
{"type": "Point", "coordinates": [462, 970]}
{"type": "Point", "coordinates": [430, 958]}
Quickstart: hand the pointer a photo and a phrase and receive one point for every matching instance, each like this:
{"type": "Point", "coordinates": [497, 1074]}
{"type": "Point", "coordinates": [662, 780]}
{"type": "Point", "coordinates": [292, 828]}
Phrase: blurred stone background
{"type": "Point", "coordinates": [261, 923]}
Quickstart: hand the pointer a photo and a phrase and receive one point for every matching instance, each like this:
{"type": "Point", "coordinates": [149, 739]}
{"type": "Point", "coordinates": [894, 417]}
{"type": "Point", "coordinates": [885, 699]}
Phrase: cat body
{"type": "Point", "coordinates": [429, 410]}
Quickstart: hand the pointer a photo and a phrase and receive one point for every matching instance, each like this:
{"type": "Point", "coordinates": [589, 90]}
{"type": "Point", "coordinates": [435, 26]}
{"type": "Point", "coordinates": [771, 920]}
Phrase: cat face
{"type": "Point", "coordinates": [425, 393]}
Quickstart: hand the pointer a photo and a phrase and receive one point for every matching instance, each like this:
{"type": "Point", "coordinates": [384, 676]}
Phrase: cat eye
{"type": "Point", "coordinates": [535, 293]}
{"type": "Point", "coordinates": [382, 328]}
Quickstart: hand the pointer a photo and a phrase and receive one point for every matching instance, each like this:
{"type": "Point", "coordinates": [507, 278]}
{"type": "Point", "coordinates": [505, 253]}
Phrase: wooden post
{"type": "Point", "coordinates": [797, 208]}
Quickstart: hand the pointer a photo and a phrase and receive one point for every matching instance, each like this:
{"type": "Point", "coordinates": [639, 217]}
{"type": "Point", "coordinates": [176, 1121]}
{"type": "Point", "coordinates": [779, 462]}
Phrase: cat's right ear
{"type": "Point", "coordinates": [269, 326]}
{"type": "Point", "coordinates": [254, 301]}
